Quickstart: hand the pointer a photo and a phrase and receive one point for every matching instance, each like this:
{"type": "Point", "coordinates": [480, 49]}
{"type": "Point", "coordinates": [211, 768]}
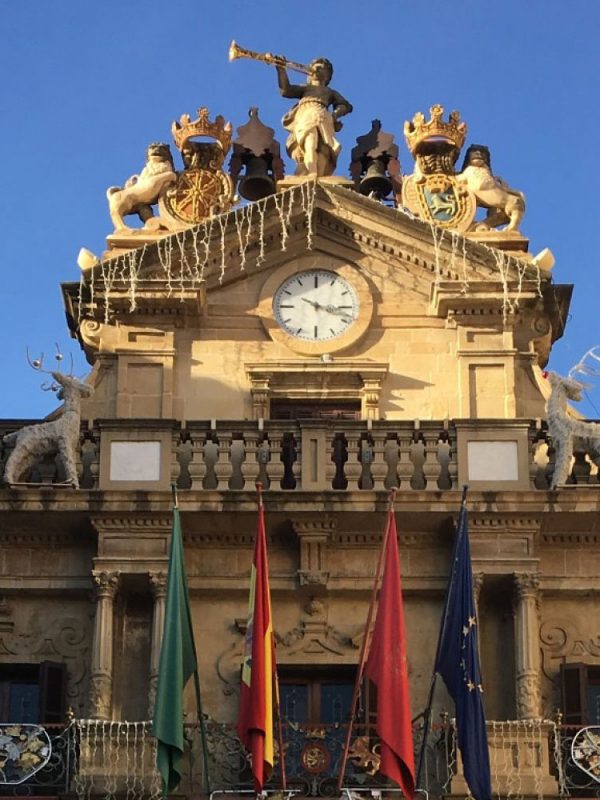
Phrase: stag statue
{"type": "Point", "coordinates": [60, 435]}
{"type": "Point", "coordinates": [567, 433]}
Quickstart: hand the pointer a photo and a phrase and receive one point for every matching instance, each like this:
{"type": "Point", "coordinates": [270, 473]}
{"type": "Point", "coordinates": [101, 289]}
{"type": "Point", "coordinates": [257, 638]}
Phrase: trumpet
{"type": "Point", "coordinates": [235, 51]}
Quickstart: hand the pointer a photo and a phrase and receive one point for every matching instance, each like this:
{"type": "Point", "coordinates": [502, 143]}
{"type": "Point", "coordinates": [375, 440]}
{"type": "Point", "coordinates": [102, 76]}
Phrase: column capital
{"type": "Point", "coordinates": [158, 583]}
{"type": "Point", "coordinates": [106, 583]}
{"type": "Point", "coordinates": [527, 584]}
{"type": "Point", "coordinates": [478, 581]}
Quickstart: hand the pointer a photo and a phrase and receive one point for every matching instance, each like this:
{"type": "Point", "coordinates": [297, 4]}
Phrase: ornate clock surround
{"type": "Point", "coordinates": [316, 261]}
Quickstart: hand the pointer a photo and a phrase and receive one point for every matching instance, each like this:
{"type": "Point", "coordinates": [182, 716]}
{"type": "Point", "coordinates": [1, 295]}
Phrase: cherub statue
{"type": "Point", "coordinates": [312, 126]}
{"type": "Point", "coordinates": [140, 192]}
{"type": "Point", "coordinates": [503, 204]}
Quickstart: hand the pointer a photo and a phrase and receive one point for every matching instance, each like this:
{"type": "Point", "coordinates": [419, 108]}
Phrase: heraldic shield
{"type": "Point", "coordinates": [433, 192]}
{"type": "Point", "coordinates": [441, 199]}
{"type": "Point", "coordinates": [202, 189]}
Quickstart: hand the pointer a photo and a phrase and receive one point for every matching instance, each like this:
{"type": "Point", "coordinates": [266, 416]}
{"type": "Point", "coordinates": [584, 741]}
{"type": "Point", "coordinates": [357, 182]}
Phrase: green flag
{"type": "Point", "coordinates": [177, 664]}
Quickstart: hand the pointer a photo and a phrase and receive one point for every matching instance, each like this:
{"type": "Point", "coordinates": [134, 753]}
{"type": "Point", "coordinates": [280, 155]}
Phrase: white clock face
{"type": "Point", "coordinates": [315, 305]}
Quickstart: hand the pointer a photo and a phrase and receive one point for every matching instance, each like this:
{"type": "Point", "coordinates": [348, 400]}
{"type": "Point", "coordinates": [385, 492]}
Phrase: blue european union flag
{"type": "Point", "coordinates": [458, 664]}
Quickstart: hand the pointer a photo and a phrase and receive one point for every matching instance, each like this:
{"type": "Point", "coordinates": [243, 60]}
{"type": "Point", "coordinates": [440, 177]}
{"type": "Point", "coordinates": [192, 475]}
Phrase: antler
{"type": "Point", "coordinates": [38, 365]}
{"type": "Point", "coordinates": [587, 369]}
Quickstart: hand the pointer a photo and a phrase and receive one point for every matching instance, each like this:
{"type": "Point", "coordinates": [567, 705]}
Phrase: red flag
{"type": "Point", "coordinates": [255, 724]}
{"type": "Point", "coordinates": [387, 668]}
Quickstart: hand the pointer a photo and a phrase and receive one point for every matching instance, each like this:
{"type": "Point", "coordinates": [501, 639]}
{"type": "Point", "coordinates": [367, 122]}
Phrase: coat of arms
{"type": "Point", "coordinates": [202, 189]}
{"type": "Point", "coordinates": [433, 192]}
{"type": "Point", "coordinates": [438, 193]}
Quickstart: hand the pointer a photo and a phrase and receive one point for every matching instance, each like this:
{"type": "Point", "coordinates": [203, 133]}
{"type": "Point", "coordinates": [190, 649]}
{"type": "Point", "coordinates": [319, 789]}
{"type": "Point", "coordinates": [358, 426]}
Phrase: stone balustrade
{"type": "Point", "coordinates": [310, 455]}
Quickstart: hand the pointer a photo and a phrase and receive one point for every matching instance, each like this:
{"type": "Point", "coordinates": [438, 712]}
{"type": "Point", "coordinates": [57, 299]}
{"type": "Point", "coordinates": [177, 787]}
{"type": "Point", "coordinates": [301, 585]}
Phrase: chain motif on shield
{"type": "Point", "coordinates": [202, 189]}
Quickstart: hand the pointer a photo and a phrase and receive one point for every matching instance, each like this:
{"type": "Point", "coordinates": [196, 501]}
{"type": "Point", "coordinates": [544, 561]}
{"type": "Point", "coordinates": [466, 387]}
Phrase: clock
{"type": "Point", "coordinates": [316, 305]}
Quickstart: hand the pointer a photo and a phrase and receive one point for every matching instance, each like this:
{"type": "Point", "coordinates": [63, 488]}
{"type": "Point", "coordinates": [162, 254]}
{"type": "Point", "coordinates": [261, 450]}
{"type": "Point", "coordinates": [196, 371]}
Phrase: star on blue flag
{"type": "Point", "coordinates": [458, 664]}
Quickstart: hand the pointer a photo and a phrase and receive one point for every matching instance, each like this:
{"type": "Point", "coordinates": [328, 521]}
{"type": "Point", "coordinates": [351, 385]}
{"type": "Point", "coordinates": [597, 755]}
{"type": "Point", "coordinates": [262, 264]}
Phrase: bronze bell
{"type": "Point", "coordinates": [376, 181]}
{"type": "Point", "coordinates": [256, 183]}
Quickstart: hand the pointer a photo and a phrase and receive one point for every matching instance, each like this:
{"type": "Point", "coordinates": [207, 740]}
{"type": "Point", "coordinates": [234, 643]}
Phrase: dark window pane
{"type": "Point", "coordinates": [593, 698]}
{"type": "Point", "coordinates": [336, 700]}
{"type": "Point", "coordinates": [574, 694]}
{"type": "Point", "coordinates": [23, 703]}
{"type": "Point", "coordinates": [53, 686]}
{"type": "Point", "coordinates": [294, 701]}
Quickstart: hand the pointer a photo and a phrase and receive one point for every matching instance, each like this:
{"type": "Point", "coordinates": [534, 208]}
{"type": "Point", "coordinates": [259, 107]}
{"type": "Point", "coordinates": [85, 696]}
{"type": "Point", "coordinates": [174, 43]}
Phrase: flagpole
{"type": "Point", "coordinates": [259, 487]}
{"type": "Point", "coordinates": [363, 649]}
{"type": "Point", "coordinates": [206, 778]}
{"type": "Point", "coordinates": [428, 708]}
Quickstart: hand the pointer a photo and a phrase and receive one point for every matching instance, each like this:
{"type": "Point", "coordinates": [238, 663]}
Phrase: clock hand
{"type": "Point", "coordinates": [313, 303]}
{"type": "Point", "coordinates": [338, 311]}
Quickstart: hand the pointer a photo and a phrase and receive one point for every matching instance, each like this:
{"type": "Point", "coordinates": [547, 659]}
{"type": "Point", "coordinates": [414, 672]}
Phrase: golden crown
{"type": "Point", "coordinates": [419, 131]}
{"type": "Point", "coordinates": [187, 128]}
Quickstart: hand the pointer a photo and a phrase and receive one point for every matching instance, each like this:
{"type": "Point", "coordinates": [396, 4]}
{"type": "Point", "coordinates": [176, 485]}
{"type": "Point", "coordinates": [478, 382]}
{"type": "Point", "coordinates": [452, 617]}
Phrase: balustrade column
{"type": "Point", "coordinates": [527, 649]}
{"type": "Point", "coordinates": [101, 676]}
{"type": "Point", "coordinates": [158, 586]}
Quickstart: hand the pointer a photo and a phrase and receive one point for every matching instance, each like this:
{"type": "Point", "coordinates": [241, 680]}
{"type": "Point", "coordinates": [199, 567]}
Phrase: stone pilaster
{"type": "Point", "coordinates": [158, 585]}
{"type": "Point", "coordinates": [313, 537]}
{"type": "Point", "coordinates": [101, 675]}
{"type": "Point", "coordinates": [527, 649]}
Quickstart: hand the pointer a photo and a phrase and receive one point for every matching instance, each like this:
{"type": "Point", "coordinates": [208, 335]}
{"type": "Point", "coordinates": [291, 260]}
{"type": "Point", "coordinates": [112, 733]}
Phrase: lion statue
{"type": "Point", "coordinates": [504, 205]}
{"type": "Point", "coordinates": [141, 191]}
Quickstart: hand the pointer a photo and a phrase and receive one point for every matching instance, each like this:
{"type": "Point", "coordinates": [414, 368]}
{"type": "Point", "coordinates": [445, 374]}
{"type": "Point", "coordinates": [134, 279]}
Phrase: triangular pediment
{"type": "Point", "coordinates": [434, 315]}
{"type": "Point", "coordinates": [305, 220]}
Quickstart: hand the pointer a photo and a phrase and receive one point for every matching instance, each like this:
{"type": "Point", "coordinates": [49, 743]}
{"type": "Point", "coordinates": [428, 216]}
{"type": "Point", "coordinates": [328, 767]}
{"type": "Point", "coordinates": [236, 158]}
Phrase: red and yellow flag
{"type": "Point", "coordinates": [255, 724]}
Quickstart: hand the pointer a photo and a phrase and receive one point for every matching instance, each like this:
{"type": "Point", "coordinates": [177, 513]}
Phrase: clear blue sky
{"type": "Point", "coordinates": [85, 86]}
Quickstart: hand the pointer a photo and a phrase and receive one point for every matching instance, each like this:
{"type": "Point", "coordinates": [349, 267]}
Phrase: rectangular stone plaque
{"type": "Point", "coordinates": [493, 461]}
{"type": "Point", "coordinates": [134, 461]}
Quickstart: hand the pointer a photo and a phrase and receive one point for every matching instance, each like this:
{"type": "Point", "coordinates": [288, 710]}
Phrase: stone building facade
{"type": "Point", "coordinates": [435, 382]}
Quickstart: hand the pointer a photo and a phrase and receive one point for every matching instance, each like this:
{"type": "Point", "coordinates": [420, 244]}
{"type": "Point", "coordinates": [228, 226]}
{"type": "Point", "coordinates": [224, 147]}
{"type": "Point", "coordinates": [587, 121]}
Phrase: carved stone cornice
{"type": "Point", "coordinates": [217, 538]}
{"type": "Point", "coordinates": [125, 524]}
{"type": "Point", "coordinates": [503, 522]}
{"type": "Point", "coordinates": [48, 539]}
{"type": "Point", "coordinates": [450, 299]}
{"type": "Point", "coordinates": [373, 539]}
{"type": "Point", "coordinates": [571, 537]}
{"type": "Point", "coordinates": [107, 583]}
{"type": "Point", "coordinates": [323, 526]}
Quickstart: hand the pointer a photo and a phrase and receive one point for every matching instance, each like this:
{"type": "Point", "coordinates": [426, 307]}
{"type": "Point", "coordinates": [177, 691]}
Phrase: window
{"type": "Point", "coordinates": [580, 690]}
{"type": "Point", "coordinates": [316, 696]}
{"type": "Point", "coordinates": [33, 693]}
{"type": "Point", "coordinates": [315, 409]}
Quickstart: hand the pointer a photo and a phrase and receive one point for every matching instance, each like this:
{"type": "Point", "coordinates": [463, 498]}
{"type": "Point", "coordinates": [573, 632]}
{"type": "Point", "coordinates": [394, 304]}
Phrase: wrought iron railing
{"type": "Point", "coordinates": [110, 759]}
{"type": "Point", "coordinates": [54, 778]}
{"type": "Point", "coordinates": [577, 760]}
{"type": "Point", "coordinates": [313, 756]}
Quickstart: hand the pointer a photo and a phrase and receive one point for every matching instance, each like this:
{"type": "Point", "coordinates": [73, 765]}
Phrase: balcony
{"type": "Point", "coordinates": [311, 455]}
{"type": "Point", "coordinates": [94, 758]}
